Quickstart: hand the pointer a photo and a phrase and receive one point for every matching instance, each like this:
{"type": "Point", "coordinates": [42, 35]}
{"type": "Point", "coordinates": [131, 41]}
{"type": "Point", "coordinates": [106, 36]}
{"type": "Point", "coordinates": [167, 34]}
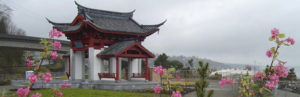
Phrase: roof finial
{"type": "Point", "coordinates": [162, 23]}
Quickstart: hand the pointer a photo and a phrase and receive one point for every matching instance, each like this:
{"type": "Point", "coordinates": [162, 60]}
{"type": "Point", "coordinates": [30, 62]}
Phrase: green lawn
{"type": "Point", "coordinates": [95, 93]}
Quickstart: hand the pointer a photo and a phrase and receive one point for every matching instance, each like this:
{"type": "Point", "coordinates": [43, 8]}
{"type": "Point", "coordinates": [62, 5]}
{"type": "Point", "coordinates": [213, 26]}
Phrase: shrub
{"type": "Point", "coordinates": [5, 82]}
{"type": "Point", "coordinates": [178, 88]}
{"type": "Point", "coordinates": [64, 78]}
{"type": "Point", "coordinates": [148, 89]}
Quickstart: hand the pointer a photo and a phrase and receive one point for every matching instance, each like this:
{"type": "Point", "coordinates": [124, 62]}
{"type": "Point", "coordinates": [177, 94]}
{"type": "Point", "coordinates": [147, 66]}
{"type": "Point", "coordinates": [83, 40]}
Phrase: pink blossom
{"type": "Point", "coordinates": [281, 70]}
{"type": "Point", "coordinates": [281, 62]}
{"type": "Point", "coordinates": [47, 77]}
{"type": "Point", "coordinates": [57, 93]}
{"type": "Point", "coordinates": [159, 70]}
{"type": "Point", "coordinates": [55, 32]}
{"type": "Point", "coordinates": [274, 77]}
{"type": "Point", "coordinates": [54, 54]}
{"type": "Point", "coordinates": [270, 84]}
{"type": "Point", "coordinates": [274, 32]}
{"type": "Point", "coordinates": [56, 45]}
{"type": "Point", "coordinates": [36, 95]}
{"type": "Point", "coordinates": [290, 40]}
{"type": "Point", "coordinates": [33, 78]}
{"type": "Point", "coordinates": [29, 63]}
{"type": "Point", "coordinates": [65, 85]}
{"type": "Point", "coordinates": [176, 94]}
{"type": "Point", "coordinates": [258, 76]}
{"type": "Point", "coordinates": [253, 93]}
{"type": "Point", "coordinates": [157, 89]}
{"type": "Point", "coordinates": [225, 81]}
{"type": "Point", "coordinates": [23, 92]}
{"type": "Point", "coordinates": [269, 53]}
{"type": "Point", "coordinates": [178, 78]}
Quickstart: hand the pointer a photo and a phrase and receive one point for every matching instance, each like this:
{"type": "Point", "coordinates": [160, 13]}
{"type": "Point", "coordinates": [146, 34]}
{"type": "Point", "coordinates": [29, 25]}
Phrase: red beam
{"type": "Point", "coordinates": [133, 56]}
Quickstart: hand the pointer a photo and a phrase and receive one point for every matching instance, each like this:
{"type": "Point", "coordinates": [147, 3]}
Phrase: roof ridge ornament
{"type": "Point", "coordinates": [155, 25]}
{"type": "Point", "coordinates": [54, 23]}
{"type": "Point", "coordinates": [83, 9]}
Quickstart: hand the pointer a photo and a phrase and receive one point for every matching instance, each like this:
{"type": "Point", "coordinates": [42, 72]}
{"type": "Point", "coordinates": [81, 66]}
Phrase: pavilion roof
{"type": "Point", "coordinates": [107, 21]}
{"type": "Point", "coordinates": [121, 46]}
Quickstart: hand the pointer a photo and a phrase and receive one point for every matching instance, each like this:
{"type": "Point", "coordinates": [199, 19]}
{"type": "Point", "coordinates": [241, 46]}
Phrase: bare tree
{"type": "Point", "coordinates": [6, 25]}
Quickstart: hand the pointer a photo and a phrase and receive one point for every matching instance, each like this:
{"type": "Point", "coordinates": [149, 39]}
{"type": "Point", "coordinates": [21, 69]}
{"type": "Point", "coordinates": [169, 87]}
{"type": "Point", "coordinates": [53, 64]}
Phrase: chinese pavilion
{"type": "Point", "coordinates": [108, 44]}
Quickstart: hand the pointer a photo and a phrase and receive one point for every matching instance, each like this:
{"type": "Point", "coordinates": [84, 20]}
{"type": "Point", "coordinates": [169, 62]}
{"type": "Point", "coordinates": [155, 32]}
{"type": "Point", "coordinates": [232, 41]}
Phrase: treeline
{"type": "Point", "coordinates": [9, 58]}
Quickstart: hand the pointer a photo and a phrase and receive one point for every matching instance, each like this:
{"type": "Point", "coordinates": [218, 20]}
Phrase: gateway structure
{"type": "Point", "coordinates": [106, 44]}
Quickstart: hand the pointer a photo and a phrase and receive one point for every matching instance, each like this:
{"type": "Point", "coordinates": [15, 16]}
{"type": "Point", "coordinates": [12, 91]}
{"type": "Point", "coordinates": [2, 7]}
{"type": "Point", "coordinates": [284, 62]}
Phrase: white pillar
{"type": "Point", "coordinates": [139, 65]}
{"type": "Point", "coordinates": [112, 65]}
{"type": "Point", "coordinates": [95, 64]}
{"type": "Point", "coordinates": [120, 68]}
{"type": "Point", "coordinates": [76, 64]}
{"type": "Point", "coordinates": [66, 62]}
{"type": "Point", "coordinates": [129, 68]}
{"type": "Point", "coordinates": [134, 65]}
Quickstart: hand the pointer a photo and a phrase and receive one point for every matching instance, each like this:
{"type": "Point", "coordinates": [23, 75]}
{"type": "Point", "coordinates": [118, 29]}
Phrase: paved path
{"type": "Point", "coordinates": [7, 88]}
{"type": "Point", "coordinates": [227, 91]}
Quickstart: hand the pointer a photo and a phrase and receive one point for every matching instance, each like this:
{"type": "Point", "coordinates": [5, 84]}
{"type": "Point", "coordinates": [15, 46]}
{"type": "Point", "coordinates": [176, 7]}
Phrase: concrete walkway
{"type": "Point", "coordinates": [280, 93]}
{"type": "Point", "coordinates": [228, 91]}
{"type": "Point", "coordinates": [8, 87]}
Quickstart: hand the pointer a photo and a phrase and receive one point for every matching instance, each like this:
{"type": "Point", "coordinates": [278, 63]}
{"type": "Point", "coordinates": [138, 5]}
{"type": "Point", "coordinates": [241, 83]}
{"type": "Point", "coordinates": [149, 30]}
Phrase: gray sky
{"type": "Point", "coordinates": [230, 31]}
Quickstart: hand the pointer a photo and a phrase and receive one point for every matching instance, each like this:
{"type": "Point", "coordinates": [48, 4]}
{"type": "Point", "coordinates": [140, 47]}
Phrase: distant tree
{"type": "Point", "coordinates": [191, 64]}
{"type": "Point", "coordinates": [162, 60]}
{"type": "Point", "coordinates": [176, 64]}
{"type": "Point", "coordinates": [9, 58]}
{"type": "Point", "coordinates": [292, 75]}
{"type": "Point", "coordinates": [200, 86]}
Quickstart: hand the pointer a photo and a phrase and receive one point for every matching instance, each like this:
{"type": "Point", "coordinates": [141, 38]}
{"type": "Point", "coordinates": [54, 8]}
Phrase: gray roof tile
{"type": "Point", "coordinates": [115, 48]}
{"type": "Point", "coordinates": [108, 20]}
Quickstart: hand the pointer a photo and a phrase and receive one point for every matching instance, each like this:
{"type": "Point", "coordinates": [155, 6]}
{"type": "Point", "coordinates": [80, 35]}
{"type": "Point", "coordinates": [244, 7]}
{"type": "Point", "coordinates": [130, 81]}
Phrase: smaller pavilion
{"type": "Point", "coordinates": [106, 44]}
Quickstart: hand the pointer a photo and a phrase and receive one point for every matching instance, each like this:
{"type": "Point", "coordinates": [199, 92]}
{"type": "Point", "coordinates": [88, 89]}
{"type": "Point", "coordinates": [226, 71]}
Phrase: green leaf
{"type": "Point", "coordinates": [273, 48]}
{"type": "Point", "coordinates": [171, 69]}
{"type": "Point", "coordinates": [268, 90]}
{"type": "Point", "coordinates": [3, 92]}
{"type": "Point", "coordinates": [281, 35]}
{"type": "Point", "coordinates": [286, 44]}
{"type": "Point", "coordinates": [271, 39]}
{"type": "Point", "coordinates": [43, 54]}
{"type": "Point", "coordinates": [43, 41]}
{"type": "Point", "coordinates": [260, 90]}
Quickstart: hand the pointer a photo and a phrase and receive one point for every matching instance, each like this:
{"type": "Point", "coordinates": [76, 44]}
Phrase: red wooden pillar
{"type": "Point", "coordinates": [117, 68]}
{"type": "Point", "coordinates": [147, 69]}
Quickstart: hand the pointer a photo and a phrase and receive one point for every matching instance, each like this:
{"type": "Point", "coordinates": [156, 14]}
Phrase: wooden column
{"type": "Point", "coordinates": [117, 69]}
{"type": "Point", "coordinates": [147, 69]}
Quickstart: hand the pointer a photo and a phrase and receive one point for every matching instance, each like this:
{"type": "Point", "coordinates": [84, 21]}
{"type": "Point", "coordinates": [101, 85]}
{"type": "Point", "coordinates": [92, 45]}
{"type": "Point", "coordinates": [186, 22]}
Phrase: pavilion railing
{"type": "Point", "coordinates": [106, 75]}
{"type": "Point", "coordinates": [138, 75]}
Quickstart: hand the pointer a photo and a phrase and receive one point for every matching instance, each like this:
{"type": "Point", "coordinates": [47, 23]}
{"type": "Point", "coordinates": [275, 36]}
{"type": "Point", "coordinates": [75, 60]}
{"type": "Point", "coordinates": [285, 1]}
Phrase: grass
{"type": "Point", "coordinates": [95, 93]}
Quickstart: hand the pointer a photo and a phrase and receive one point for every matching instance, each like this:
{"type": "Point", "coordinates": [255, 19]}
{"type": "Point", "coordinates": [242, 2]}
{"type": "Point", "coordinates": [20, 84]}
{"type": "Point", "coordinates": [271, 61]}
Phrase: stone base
{"type": "Point", "coordinates": [86, 84]}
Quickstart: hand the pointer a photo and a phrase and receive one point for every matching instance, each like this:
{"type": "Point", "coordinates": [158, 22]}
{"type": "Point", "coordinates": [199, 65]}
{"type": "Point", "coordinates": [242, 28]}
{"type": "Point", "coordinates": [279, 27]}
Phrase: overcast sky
{"type": "Point", "coordinates": [230, 31]}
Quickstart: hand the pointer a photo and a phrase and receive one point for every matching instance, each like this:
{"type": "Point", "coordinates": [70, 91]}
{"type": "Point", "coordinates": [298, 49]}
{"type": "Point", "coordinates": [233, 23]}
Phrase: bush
{"type": "Point", "coordinates": [149, 90]}
{"type": "Point", "coordinates": [64, 78]}
{"type": "Point", "coordinates": [178, 88]}
{"type": "Point", "coordinates": [5, 82]}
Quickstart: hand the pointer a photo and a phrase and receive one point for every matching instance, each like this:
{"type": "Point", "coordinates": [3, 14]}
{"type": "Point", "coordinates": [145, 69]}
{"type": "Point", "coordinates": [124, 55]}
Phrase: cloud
{"type": "Point", "coordinates": [232, 31]}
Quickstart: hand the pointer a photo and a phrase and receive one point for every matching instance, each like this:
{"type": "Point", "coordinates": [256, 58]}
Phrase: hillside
{"type": "Point", "coordinates": [213, 64]}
